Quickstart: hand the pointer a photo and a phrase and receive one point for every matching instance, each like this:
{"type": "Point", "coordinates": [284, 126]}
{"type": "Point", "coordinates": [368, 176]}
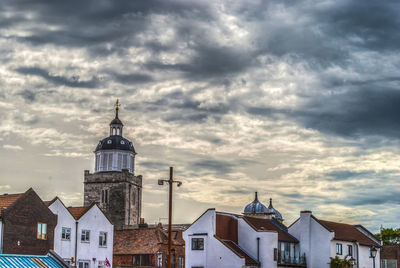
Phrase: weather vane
{"type": "Point", "coordinates": [117, 105]}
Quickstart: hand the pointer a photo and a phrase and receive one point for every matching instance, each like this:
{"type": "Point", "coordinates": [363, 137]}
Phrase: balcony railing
{"type": "Point", "coordinates": [290, 258]}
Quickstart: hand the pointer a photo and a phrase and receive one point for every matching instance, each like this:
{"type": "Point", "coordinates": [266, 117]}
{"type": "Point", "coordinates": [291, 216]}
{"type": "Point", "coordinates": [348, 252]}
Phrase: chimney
{"type": "Point", "coordinates": [305, 234]}
{"type": "Point", "coordinates": [142, 224]}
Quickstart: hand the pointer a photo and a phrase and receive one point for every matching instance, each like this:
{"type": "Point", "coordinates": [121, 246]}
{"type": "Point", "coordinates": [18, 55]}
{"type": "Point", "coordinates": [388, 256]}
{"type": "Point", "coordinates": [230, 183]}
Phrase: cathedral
{"type": "Point", "coordinates": [113, 184]}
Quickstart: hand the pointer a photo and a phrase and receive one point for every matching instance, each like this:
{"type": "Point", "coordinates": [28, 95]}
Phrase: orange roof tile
{"type": "Point", "coordinates": [348, 232]}
{"type": "Point", "coordinates": [78, 212]}
{"type": "Point", "coordinates": [7, 200]}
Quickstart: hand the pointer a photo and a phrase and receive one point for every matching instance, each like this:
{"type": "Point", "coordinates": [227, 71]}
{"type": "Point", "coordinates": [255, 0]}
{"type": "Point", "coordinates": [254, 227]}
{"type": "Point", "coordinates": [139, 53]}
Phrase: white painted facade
{"type": "Point", "coordinates": [216, 254]}
{"type": "Point", "coordinates": [63, 247]}
{"type": "Point", "coordinates": [95, 221]}
{"type": "Point", "coordinates": [247, 238]}
{"type": "Point", "coordinates": [319, 245]}
{"type": "Point", "coordinates": [90, 251]}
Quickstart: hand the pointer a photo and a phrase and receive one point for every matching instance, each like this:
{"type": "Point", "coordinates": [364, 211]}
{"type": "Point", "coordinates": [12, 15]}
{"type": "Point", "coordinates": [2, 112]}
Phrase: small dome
{"type": "Point", "coordinates": [115, 142]}
{"type": "Point", "coordinates": [255, 207]}
{"type": "Point", "coordinates": [271, 209]}
{"type": "Point", "coordinates": [116, 121]}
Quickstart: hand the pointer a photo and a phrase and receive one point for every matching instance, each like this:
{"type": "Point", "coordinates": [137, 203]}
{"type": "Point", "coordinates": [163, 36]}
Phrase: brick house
{"type": "Point", "coordinates": [147, 247]}
{"type": "Point", "coordinates": [26, 224]}
{"type": "Point", "coordinates": [390, 256]}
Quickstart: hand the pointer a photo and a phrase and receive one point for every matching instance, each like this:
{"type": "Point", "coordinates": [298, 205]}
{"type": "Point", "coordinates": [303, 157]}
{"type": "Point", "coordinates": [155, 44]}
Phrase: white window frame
{"type": "Point", "coordinates": [86, 232]}
{"type": "Point", "coordinates": [102, 244]}
{"type": "Point", "coordinates": [83, 262]}
{"type": "Point", "coordinates": [62, 233]}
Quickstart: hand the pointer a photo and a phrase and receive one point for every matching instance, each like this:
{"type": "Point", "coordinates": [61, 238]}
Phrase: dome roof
{"type": "Point", "coordinates": [115, 142]}
{"type": "Point", "coordinates": [271, 209]}
{"type": "Point", "coordinates": [255, 207]}
{"type": "Point", "coordinates": [116, 121]}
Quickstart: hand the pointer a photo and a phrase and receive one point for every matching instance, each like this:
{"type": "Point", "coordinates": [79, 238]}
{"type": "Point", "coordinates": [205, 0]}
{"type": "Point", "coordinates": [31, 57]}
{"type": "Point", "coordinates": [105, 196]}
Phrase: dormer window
{"type": "Point", "coordinates": [109, 141]}
{"type": "Point", "coordinates": [122, 142]}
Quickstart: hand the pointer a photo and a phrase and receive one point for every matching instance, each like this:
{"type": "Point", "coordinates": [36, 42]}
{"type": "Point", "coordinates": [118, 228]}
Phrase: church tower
{"type": "Point", "coordinates": [113, 183]}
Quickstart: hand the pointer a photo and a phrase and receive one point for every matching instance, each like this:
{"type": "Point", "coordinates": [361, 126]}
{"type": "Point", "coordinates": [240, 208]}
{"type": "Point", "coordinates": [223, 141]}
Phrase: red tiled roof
{"type": "Point", "coordinates": [7, 200]}
{"type": "Point", "coordinates": [260, 224]}
{"type": "Point", "coordinates": [143, 240]}
{"type": "Point", "coordinates": [348, 232]}
{"type": "Point", "coordinates": [238, 251]}
{"type": "Point", "coordinates": [78, 212]}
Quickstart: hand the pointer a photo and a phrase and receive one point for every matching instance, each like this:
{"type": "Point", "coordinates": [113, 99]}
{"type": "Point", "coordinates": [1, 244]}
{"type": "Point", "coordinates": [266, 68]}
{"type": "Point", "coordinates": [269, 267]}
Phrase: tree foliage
{"type": "Point", "coordinates": [339, 263]}
{"type": "Point", "coordinates": [389, 236]}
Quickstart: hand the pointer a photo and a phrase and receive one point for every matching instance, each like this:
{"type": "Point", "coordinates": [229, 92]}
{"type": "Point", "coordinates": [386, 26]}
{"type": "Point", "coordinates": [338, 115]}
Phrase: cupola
{"type": "Point", "coordinates": [115, 153]}
{"type": "Point", "coordinates": [255, 207]}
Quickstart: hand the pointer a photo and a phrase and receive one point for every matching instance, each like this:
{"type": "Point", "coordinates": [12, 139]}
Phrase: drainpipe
{"type": "Point", "coordinates": [76, 243]}
{"type": "Point", "coordinates": [258, 249]}
{"type": "Point", "coordinates": [358, 256]}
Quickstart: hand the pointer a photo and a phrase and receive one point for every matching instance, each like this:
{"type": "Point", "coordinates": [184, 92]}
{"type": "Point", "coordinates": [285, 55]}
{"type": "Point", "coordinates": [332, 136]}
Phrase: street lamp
{"type": "Point", "coordinates": [352, 261]}
{"type": "Point", "coordinates": [179, 184]}
{"type": "Point", "coordinates": [373, 254]}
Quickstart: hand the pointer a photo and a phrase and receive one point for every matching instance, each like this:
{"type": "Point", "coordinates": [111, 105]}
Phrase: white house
{"type": "Point", "coordinates": [83, 234]}
{"type": "Point", "coordinates": [219, 239]}
{"type": "Point", "coordinates": [320, 240]}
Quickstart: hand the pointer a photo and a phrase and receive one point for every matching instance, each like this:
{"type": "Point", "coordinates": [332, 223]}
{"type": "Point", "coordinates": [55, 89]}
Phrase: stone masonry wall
{"type": "Point", "coordinates": [124, 206]}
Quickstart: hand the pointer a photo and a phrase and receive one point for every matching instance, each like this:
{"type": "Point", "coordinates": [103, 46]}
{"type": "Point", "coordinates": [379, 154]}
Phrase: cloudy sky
{"type": "Point", "coordinates": [298, 100]}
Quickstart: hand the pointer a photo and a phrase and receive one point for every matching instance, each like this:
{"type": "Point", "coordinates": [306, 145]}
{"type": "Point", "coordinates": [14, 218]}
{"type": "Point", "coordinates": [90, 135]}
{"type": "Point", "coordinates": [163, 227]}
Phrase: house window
{"type": "Point", "coordinates": [103, 239]}
{"type": "Point", "coordinates": [197, 243]}
{"type": "Point", "coordinates": [66, 233]}
{"type": "Point", "coordinates": [85, 236]}
{"type": "Point", "coordinates": [142, 260]}
{"type": "Point", "coordinates": [349, 250]}
{"type": "Point", "coordinates": [101, 264]}
{"type": "Point", "coordinates": [159, 259]}
{"type": "Point", "coordinates": [338, 249]}
{"type": "Point", "coordinates": [181, 262]}
{"type": "Point", "coordinates": [41, 231]}
{"type": "Point", "coordinates": [83, 264]}
{"type": "Point", "coordinates": [104, 196]}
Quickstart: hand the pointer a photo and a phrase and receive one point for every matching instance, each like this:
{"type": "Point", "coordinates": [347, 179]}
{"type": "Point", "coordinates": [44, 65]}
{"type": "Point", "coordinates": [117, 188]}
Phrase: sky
{"type": "Point", "coordinates": [298, 100]}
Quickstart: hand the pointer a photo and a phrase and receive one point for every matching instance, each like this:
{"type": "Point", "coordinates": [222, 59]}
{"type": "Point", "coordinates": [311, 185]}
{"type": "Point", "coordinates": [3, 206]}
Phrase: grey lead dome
{"type": "Point", "coordinates": [115, 142]}
{"type": "Point", "coordinates": [255, 207]}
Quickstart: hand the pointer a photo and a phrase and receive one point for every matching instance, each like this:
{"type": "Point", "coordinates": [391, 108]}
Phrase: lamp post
{"type": "Point", "coordinates": [352, 261]}
{"type": "Point", "coordinates": [373, 254]}
{"type": "Point", "coordinates": [171, 181]}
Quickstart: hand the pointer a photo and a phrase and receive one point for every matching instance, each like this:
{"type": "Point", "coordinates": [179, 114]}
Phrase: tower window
{"type": "Point", "coordinates": [122, 142]}
{"type": "Point", "coordinates": [119, 161]}
{"type": "Point", "coordinates": [104, 196]}
{"type": "Point", "coordinates": [109, 141]}
{"type": "Point", "coordinates": [110, 160]}
{"type": "Point", "coordinates": [125, 161]}
{"type": "Point", "coordinates": [131, 164]}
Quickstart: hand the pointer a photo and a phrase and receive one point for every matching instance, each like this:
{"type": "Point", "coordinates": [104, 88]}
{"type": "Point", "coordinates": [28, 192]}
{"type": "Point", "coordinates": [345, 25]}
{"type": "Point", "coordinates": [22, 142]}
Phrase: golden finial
{"type": "Point", "coordinates": [117, 105]}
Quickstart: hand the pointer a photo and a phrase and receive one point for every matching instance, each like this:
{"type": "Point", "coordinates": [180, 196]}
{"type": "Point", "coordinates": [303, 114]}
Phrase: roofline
{"type": "Point", "coordinates": [255, 229]}
{"type": "Point", "coordinates": [57, 198]}
{"type": "Point", "coordinates": [86, 210]}
{"type": "Point", "coordinates": [365, 229]}
{"type": "Point", "coordinates": [293, 223]}
{"type": "Point", "coordinates": [222, 242]}
{"type": "Point", "coordinates": [323, 225]}
{"type": "Point", "coordinates": [199, 217]}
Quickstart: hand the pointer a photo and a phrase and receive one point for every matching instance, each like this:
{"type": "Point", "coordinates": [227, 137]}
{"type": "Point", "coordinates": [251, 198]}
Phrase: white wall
{"type": "Point", "coordinates": [247, 238]}
{"type": "Point", "coordinates": [95, 221]}
{"type": "Point", "coordinates": [315, 240]}
{"type": "Point", "coordinates": [215, 254]}
{"type": "Point", "coordinates": [365, 261]}
{"type": "Point", "coordinates": [64, 248]}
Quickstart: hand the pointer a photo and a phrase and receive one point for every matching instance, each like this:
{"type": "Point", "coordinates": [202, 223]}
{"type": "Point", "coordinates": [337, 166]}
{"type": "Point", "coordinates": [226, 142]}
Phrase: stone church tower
{"type": "Point", "coordinates": [113, 184]}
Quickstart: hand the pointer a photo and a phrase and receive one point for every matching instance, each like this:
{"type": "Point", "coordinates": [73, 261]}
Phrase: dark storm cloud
{"type": "Point", "coordinates": [59, 80]}
{"type": "Point", "coordinates": [208, 61]}
{"type": "Point", "coordinates": [28, 95]}
{"type": "Point", "coordinates": [133, 78]}
{"type": "Point", "coordinates": [374, 23]}
{"type": "Point", "coordinates": [212, 166]}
